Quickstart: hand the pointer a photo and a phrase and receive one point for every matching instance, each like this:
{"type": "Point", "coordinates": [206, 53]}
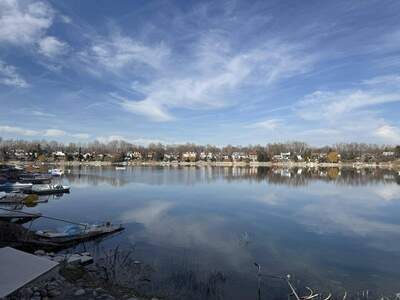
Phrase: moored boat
{"type": "Point", "coordinates": [56, 172]}
{"type": "Point", "coordinates": [35, 178]}
{"type": "Point", "coordinates": [14, 186]}
{"type": "Point", "coordinates": [13, 197]}
{"type": "Point", "coordinates": [46, 189]}
{"type": "Point", "coordinates": [18, 217]}
{"type": "Point", "coordinates": [78, 233]}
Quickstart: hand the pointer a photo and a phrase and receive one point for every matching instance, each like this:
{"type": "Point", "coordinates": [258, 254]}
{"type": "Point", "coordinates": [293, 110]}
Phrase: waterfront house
{"type": "Point", "coordinates": [20, 154]}
{"type": "Point", "coordinates": [59, 155]}
{"type": "Point", "coordinates": [239, 156]}
{"type": "Point", "coordinates": [189, 156]}
{"type": "Point", "coordinates": [388, 153]}
{"type": "Point", "coordinates": [253, 156]}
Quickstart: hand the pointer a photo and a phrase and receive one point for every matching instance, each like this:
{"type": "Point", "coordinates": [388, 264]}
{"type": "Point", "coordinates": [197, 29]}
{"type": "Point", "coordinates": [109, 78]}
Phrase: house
{"type": "Point", "coordinates": [133, 155]}
{"type": "Point", "coordinates": [87, 156]}
{"type": "Point", "coordinates": [388, 153]}
{"type": "Point", "coordinates": [137, 155]}
{"type": "Point", "coordinates": [239, 156]}
{"type": "Point", "coordinates": [189, 156]}
{"type": "Point", "coordinates": [59, 155]}
{"type": "Point", "coordinates": [171, 156]}
{"type": "Point", "coordinates": [206, 156]}
{"type": "Point", "coordinates": [285, 155]}
{"type": "Point", "coordinates": [20, 154]}
{"type": "Point", "coordinates": [281, 157]}
{"type": "Point", "coordinates": [253, 156]}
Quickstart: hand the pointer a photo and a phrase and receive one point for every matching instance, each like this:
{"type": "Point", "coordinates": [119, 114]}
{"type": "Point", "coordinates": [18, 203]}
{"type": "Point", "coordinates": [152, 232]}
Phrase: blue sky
{"type": "Point", "coordinates": [218, 72]}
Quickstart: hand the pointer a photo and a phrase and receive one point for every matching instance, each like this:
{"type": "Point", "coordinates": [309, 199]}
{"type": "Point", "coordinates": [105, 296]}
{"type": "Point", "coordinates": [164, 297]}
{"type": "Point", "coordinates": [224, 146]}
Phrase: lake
{"type": "Point", "coordinates": [331, 229]}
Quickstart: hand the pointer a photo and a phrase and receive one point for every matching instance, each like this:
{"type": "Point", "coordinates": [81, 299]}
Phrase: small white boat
{"type": "Point", "coordinates": [46, 189]}
{"type": "Point", "coordinates": [2, 195]}
{"type": "Point", "coordinates": [12, 186]}
{"type": "Point", "coordinates": [56, 172]}
{"type": "Point", "coordinates": [120, 168]}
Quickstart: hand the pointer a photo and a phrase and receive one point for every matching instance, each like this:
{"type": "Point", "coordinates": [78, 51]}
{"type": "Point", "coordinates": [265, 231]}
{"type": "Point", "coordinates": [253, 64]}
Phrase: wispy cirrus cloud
{"type": "Point", "coordinates": [52, 47]}
{"type": "Point", "coordinates": [135, 141]}
{"type": "Point", "coordinates": [50, 133]}
{"type": "Point", "coordinates": [24, 22]}
{"type": "Point", "coordinates": [269, 124]}
{"type": "Point", "coordinates": [117, 52]}
{"type": "Point", "coordinates": [213, 76]}
{"type": "Point", "coordinates": [388, 134]}
{"type": "Point", "coordinates": [18, 131]}
{"type": "Point", "coordinates": [10, 76]}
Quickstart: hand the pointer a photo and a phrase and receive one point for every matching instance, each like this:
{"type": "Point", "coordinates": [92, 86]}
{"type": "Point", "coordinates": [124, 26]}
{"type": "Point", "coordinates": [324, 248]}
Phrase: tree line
{"type": "Point", "coordinates": [119, 148]}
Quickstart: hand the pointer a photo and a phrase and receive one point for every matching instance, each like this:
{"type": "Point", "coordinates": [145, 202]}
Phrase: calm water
{"type": "Point", "coordinates": [330, 229]}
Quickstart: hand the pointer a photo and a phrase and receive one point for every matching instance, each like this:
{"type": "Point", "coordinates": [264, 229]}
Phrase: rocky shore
{"type": "Point", "coordinates": [77, 277]}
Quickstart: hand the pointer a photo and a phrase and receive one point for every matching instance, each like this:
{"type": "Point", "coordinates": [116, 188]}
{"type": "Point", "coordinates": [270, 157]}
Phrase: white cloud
{"type": "Point", "coordinates": [24, 22]}
{"type": "Point", "coordinates": [18, 131]}
{"type": "Point", "coordinates": [213, 75]}
{"type": "Point", "coordinates": [331, 105]}
{"type": "Point", "coordinates": [9, 76]}
{"type": "Point", "coordinates": [54, 133]}
{"type": "Point", "coordinates": [135, 141]}
{"type": "Point", "coordinates": [65, 19]}
{"type": "Point", "coordinates": [39, 113]}
{"type": "Point", "coordinates": [389, 134]}
{"type": "Point", "coordinates": [270, 124]}
{"type": "Point", "coordinates": [52, 47]}
{"type": "Point", "coordinates": [121, 52]}
{"type": "Point", "coordinates": [81, 136]}
{"type": "Point", "coordinates": [51, 132]}
{"type": "Point", "coordinates": [385, 79]}
{"type": "Point", "coordinates": [151, 109]}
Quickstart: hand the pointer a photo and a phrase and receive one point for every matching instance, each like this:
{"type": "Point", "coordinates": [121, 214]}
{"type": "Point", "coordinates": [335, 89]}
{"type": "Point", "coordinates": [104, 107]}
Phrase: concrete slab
{"type": "Point", "coordinates": [18, 268]}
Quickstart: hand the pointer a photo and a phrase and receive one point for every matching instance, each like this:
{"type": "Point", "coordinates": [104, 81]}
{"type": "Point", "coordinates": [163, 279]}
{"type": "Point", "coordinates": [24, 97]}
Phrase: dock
{"type": "Point", "coordinates": [19, 268]}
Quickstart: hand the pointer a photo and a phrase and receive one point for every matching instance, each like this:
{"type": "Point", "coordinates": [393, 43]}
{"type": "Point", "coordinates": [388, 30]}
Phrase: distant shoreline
{"type": "Point", "coordinates": [385, 165]}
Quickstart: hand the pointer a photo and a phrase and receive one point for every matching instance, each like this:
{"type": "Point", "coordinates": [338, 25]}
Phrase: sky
{"type": "Point", "coordinates": [207, 72]}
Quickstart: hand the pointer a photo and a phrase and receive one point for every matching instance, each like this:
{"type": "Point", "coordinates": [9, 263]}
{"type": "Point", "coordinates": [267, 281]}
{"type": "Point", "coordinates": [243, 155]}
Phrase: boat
{"type": "Point", "coordinates": [78, 233]}
{"type": "Point", "coordinates": [16, 197]}
{"type": "Point", "coordinates": [35, 178]}
{"type": "Point", "coordinates": [46, 189]}
{"type": "Point", "coordinates": [13, 198]}
{"type": "Point", "coordinates": [56, 172]}
{"type": "Point", "coordinates": [18, 217]}
{"type": "Point", "coordinates": [120, 168]}
{"type": "Point", "coordinates": [2, 195]}
{"type": "Point", "coordinates": [14, 186]}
